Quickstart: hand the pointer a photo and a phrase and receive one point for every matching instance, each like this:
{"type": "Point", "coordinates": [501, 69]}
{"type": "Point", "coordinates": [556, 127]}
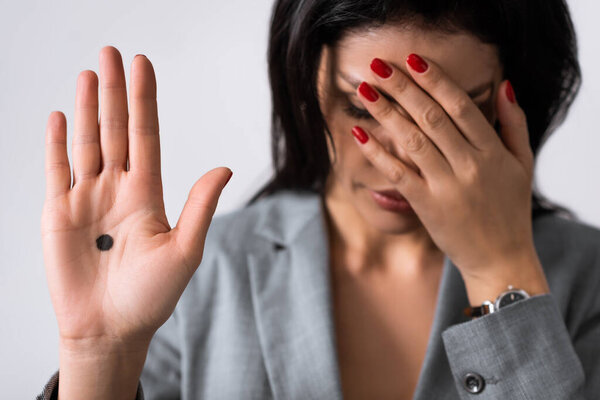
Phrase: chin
{"type": "Point", "coordinates": [388, 221]}
{"type": "Point", "coordinates": [394, 226]}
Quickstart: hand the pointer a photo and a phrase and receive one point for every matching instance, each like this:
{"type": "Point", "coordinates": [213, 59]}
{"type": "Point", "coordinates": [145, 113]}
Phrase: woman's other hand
{"type": "Point", "coordinates": [474, 191]}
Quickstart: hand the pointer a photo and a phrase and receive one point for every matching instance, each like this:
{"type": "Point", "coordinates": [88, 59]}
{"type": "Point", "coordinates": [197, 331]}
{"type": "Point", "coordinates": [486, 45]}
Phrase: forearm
{"type": "Point", "coordinates": [100, 371]}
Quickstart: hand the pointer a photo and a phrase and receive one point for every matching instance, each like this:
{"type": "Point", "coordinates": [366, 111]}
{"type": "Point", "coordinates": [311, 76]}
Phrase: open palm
{"type": "Point", "coordinates": [125, 292]}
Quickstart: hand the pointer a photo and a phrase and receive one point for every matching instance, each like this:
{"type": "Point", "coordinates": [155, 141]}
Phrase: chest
{"type": "Point", "coordinates": [382, 326]}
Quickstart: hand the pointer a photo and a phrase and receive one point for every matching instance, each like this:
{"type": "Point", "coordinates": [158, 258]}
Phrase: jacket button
{"type": "Point", "coordinates": [473, 383]}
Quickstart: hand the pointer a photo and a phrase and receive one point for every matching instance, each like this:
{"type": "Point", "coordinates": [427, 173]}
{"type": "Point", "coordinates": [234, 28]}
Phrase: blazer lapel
{"type": "Point", "coordinates": [435, 379]}
{"type": "Point", "coordinates": [291, 293]}
{"type": "Point", "coordinates": [289, 277]}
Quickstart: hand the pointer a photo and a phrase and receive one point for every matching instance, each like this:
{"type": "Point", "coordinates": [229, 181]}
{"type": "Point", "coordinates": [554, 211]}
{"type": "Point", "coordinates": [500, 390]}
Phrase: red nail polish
{"type": "Point", "coordinates": [368, 92]}
{"type": "Point", "coordinates": [360, 134]}
{"type": "Point", "coordinates": [417, 63]}
{"type": "Point", "coordinates": [510, 93]}
{"type": "Point", "coordinates": [381, 68]}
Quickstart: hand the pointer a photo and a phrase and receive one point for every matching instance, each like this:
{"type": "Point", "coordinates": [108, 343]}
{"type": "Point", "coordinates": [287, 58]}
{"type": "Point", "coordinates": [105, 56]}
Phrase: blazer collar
{"type": "Point", "coordinates": [291, 293]}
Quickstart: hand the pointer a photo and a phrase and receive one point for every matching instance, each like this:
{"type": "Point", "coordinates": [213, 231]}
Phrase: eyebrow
{"type": "Point", "coordinates": [476, 91]}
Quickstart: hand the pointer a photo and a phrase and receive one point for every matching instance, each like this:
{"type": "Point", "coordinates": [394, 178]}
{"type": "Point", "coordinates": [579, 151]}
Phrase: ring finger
{"type": "Point", "coordinates": [86, 146]}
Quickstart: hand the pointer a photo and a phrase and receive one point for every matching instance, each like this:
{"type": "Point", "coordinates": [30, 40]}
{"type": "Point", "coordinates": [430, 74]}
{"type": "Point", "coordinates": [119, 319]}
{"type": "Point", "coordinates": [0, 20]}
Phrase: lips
{"type": "Point", "coordinates": [394, 194]}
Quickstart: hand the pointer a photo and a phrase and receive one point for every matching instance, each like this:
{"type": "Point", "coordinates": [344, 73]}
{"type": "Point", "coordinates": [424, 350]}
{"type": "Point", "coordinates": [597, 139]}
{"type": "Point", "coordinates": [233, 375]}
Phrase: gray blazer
{"type": "Point", "coordinates": [255, 321]}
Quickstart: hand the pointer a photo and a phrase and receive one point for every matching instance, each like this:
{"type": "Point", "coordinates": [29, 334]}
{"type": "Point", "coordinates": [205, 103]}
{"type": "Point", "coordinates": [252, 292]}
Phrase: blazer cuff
{"type": "Point", "coordinates": [50, 391]}
{"type": "Point", "coordinates": [521, 351]}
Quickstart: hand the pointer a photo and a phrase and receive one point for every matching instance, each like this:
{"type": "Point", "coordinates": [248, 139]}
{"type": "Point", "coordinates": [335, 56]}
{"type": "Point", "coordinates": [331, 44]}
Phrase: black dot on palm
{"type": "Point", "coordinates": [104, 242]}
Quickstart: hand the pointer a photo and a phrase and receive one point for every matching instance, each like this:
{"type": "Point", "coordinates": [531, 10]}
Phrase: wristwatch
{"type": "Point", "coordinates": [510, 296]}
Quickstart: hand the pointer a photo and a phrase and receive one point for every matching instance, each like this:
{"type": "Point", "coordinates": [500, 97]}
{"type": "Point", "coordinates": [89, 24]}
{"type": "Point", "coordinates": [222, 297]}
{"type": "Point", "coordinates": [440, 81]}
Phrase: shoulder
{"type": "Point", "coordinates": [560, 236]}
{"type": "Point", "coordinates": [569, 250]}
{"type": "Point", "coordinates": [232, 235]}
{"type": "Point", "coordinates": [277, 217]}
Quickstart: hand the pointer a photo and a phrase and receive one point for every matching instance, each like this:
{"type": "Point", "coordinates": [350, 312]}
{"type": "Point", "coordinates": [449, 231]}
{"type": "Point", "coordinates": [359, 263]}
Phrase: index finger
{"type": "Point", "coordinates": [144, 143]}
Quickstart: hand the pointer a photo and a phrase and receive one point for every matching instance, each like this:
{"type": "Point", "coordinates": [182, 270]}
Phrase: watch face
{"type": "Point", "coordinates": [510, 298]}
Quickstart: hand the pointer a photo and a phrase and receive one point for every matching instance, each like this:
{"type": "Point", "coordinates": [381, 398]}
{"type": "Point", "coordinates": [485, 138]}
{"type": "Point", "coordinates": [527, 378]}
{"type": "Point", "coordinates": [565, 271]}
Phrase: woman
{"type": "Point", "coordinates": [349, 272]}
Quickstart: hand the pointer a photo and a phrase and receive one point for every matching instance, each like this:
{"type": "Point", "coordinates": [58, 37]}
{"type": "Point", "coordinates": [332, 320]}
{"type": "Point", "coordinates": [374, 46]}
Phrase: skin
{"type": "Point", "coordinates": [469, 187]}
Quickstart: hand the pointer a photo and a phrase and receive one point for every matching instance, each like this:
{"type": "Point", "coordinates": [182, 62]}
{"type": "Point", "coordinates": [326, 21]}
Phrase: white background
{"type": "Point", "coordinates": [214, 108]}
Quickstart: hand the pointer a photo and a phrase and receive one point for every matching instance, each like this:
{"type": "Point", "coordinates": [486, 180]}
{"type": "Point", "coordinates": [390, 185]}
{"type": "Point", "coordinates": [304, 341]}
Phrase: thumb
{"type": "Point", "coordinates": [513, 124]}
{"type": "Point", "coordinates": [192, 225]}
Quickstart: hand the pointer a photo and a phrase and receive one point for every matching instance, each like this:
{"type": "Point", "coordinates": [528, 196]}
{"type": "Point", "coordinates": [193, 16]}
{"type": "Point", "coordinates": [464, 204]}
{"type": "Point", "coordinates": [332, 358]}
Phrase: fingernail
{"type": "Point", "coordinates": [381, 68]}
{"type": "Point", "coordinates": [360, 134]}
{"type": "Point", "coordinates": [510, 93]}
{"type": "Point", "coordinates": [368, 92]}
{"type": "Point", "coordinates": [417, 63]}
{"type": "Point", "coordinates": [139, 55]}
{"type": "Point", "coordinates": [228, 179]}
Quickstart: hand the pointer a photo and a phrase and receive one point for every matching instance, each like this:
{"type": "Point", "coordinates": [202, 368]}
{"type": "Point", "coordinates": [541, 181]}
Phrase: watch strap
{"type": "Point", "coordinates": [489, 307]}
{"type": "Point", "coordinates": [486, 308]}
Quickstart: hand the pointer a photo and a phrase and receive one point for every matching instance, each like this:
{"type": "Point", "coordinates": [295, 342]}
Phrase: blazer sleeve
{"type": "Point", "coordinates": [161, 376]}
{"type": "Point", "coordinates": [50, 391]}
{"type": "Point", "coordinates": [524, 351]}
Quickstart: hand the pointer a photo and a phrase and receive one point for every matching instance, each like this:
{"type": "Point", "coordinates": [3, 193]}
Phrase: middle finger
{"type": "Point", "coordinates": [425, 111]}
{"type": "Point", "coordinates": [113, 110]}
{"type": "Point", "coordinates": [420, 149]}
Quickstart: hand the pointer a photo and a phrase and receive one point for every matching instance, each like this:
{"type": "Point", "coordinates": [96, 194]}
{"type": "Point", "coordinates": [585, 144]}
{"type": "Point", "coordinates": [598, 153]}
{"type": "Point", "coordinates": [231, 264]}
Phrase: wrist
{"type": "Point", "coordinates": [524, 272]}
{"type": "Point", "coordinates": [101, 347]}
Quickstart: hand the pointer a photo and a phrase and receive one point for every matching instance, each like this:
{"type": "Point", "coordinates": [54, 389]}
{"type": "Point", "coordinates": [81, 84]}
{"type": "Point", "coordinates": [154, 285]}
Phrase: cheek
{"type": "Point", "coordinates": [348, 155]}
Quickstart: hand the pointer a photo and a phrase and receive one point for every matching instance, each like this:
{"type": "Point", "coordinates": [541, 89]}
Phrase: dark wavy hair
{"type": "Point", "coordinates": [535, 39]}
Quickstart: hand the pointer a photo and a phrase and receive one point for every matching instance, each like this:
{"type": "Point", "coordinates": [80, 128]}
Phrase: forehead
{"type": "Point", "coordinates": [461, 55]}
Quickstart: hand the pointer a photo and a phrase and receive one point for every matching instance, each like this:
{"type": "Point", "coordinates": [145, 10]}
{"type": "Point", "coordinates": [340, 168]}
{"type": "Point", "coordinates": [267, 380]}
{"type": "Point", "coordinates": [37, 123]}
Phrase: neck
{"type": "Point", "coordinates": [362, 248]}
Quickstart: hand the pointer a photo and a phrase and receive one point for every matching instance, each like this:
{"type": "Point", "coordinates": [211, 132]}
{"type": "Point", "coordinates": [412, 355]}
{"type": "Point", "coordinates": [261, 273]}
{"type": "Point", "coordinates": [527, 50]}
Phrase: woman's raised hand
{"type": "Point", "coordinates": [115, 268]}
